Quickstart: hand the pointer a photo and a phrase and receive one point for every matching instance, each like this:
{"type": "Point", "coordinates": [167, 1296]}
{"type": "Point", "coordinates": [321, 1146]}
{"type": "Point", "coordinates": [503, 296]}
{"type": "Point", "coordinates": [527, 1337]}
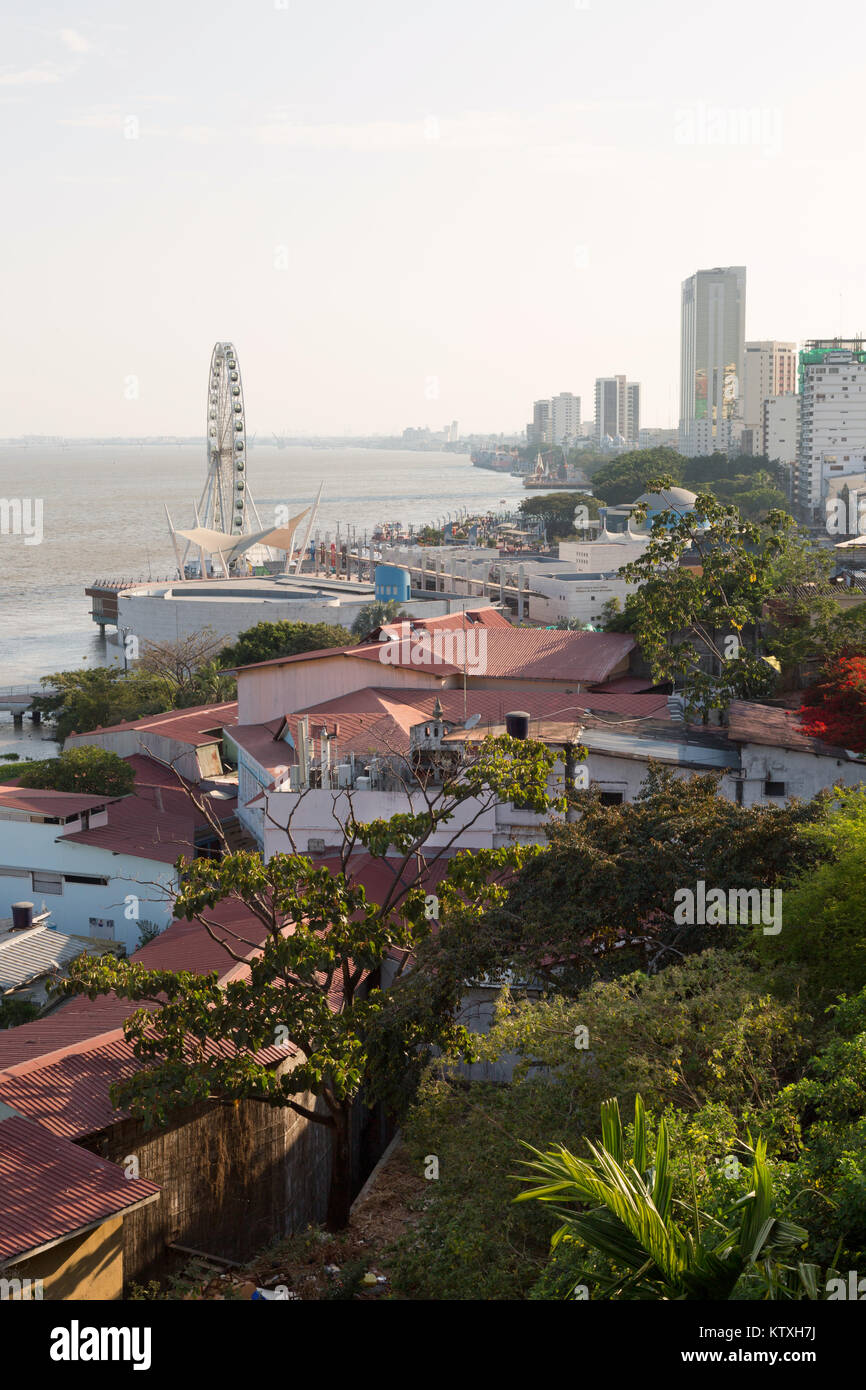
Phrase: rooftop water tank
{"type": "Point", "coordinates": [392, 582]}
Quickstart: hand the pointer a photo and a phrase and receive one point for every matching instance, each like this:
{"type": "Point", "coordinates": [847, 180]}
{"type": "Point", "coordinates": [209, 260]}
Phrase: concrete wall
{"type": "Point", "coordinates": [269, 692]}
{"type": "Point", "coordinates": [154, 617]}
{"type": "Point", "coordinates": [26, 846]}
{"type": "Point", "coordinates": [192, 763]}
{"type": "Point", "coordinates": [561, 596]}
{"type": "Point", "coordinates": [89, 1266]}
{"type": "Point", "coordinates": [803, 774]}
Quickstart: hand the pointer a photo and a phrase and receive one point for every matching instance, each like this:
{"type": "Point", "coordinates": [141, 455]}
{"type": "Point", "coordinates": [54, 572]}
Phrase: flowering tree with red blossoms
{"type": "Point", "coordinates": [835, 708]}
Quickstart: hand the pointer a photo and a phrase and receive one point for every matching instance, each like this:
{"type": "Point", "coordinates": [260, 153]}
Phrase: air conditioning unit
{"type": "Point", "coordinates": [315, 845]}
{"type": "Point", "coordinates": [362, 784]}
{"type": "Point", "coordinates": [344, 774]}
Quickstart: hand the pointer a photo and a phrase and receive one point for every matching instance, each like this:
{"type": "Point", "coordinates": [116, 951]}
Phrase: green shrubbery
{"type": "Point", "coordinates": [761, 1036]}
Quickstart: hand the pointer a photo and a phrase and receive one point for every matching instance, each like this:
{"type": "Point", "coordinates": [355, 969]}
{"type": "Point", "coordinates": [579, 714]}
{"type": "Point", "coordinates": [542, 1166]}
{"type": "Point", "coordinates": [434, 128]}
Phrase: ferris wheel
{"type": "Point", "coordinates": [225, 494]}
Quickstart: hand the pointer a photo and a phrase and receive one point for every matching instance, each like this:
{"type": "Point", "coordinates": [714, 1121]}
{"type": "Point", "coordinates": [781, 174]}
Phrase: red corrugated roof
{"type": "Point", "coordinates": [50, 1188]}
{"type": "Point", "coordinates": [776, 728]}
{"type": "Point", "coordinates": [485, 617]}
{"type": "Point", "coordinates": [517, 654]}
{"type": "Point", "coordinates": [471, 618]}
{"type": "Point", "coordinates": [379, 717]}
{"type": "Point", "coordinates": [50, 803]}
{"type": "Point", "coordinates": [192, 726]}
{"type": "Point", "coordinates": [68, 1093]}
{"type": "Point", "coordinates": [158, 822]}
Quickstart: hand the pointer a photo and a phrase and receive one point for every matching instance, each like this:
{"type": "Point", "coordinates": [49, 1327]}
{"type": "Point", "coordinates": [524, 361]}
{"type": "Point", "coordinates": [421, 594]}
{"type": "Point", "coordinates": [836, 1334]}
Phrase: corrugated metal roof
{"type": "Point", "coordinates": [69, 1093]}
{"type": "Point", "coordinates": [28, 955]}
{"type": "Point", "coordinates": [380, 717]}
{"type": "Point", "coordinates": [775, 728]}
{"type": "Point", "coordinates": [49, 803]}
{"type": "Point", "coordinates": [50, 1188]}
{"type": "Point", "coordinates": [662, 750]}
{"type": "Point", "coordinates": [192, 726]}
{"type": "Point", "coordinates": [521, 654]}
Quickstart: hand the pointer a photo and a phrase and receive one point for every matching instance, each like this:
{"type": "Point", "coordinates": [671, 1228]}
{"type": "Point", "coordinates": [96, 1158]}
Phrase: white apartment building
{"type": "Point", "coordinates": [605, 554]}
{"type": "Point", "coordinates": [712, 351]}
{"type": "Point", "coordinates": [832, 419]}
{"type": "Point", "coordinates": [565, 417]}
{"type": "Point", "coordinates": [780, 427]}
{"type": "Point", "coordinates": [617, 409]}
{"type": "Point", "coordinates": [770, 369]}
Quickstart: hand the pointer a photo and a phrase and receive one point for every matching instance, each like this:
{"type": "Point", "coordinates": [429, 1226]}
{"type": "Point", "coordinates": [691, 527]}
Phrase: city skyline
{"type": "Point", "coordinates": [392, 217]}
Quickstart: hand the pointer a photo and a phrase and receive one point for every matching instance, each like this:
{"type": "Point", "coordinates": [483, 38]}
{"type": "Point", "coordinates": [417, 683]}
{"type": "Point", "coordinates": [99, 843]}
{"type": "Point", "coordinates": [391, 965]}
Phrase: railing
{"type": "Point", "coordinates": [12, 692]}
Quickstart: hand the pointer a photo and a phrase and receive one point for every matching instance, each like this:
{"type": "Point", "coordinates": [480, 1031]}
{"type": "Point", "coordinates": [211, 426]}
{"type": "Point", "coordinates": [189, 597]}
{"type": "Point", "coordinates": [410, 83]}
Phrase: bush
{"type": "Point", "coordinates": [86, 770]}
{"type": "Point", "coordinates": [267, 641]}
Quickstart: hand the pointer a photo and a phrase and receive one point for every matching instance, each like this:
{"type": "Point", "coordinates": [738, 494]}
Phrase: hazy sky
{"type": "Point", "coordinates": [378, 202]}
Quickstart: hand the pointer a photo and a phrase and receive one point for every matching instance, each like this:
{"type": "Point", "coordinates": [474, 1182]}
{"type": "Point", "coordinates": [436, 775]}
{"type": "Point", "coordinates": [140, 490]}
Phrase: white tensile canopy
{"type": "Point", "coordinates": [231, 547]}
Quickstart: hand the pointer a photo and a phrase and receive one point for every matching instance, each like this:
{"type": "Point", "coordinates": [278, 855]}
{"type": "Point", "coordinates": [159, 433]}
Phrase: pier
{"type": "Point", "coordinates": [18, 699]}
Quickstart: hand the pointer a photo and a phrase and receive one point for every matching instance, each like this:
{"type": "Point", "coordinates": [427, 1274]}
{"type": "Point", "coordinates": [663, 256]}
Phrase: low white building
{"type": "Point", "coordinates": [575, 595]}
{"type": "Point", "coordinates": [102, 866]}
{"type": "Point", "coordinates": [59, 851]}
{"type": "Point", "coordinates": [779, 762]}
{"type": "Point", "coordinates": [608, 552]}
{"type": "Point", "coordinates": [168, 611]}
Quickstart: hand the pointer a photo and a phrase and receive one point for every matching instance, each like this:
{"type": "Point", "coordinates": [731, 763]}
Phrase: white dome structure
{"type": "Point", "coordinates": [677, 498]}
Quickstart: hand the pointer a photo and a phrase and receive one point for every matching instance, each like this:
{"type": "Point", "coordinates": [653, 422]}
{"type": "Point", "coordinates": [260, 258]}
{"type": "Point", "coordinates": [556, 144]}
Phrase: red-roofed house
{"type": "Point", "coordinates": [63, 1210]}
{"type": "Point", "coordinates": [190, 739]}
{"type": "Point", "coordinates": [101, 867]}
{"type": "Point", "coordinates": [442, 658]}
{"type": "Point", "coordinates": [221, 1178]}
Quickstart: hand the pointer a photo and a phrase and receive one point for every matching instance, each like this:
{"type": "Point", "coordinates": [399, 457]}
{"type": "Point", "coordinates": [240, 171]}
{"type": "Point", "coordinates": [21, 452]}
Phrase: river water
{"type": "Point", "coordinates": [103, 516]}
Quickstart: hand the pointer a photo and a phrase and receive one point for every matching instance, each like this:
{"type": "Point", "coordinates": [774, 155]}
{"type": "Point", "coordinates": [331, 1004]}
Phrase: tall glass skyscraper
{"type": "Point", "coordinates": [712, 351]}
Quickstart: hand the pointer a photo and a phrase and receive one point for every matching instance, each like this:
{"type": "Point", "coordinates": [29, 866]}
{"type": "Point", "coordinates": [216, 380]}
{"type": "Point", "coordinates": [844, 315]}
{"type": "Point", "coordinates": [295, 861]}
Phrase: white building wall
{"type": "Point", "coordinates": [601, 557]}
{"type": "Point", "coordinates": [832, 425]}
{"type": "Point", "coordinates": [780, 428]}
{"type": "Point", "coordinates": [562, 596]}
{"type": "Point", "coordinates": [26, 845]}
{"type": "Point", "coordinates": [803, 774]}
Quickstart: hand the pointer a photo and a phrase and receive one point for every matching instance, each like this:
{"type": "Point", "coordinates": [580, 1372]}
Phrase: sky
{"type": "Point", "coordinates": [404, 213]}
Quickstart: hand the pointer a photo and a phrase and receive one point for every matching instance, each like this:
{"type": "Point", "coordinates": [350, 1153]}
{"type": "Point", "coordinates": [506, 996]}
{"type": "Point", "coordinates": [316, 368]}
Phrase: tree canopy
{"type": "Point", "coordinates": [313, 987]}
{"type": "Point", "coordinates": [84, 769]}
{"type": "Point", "coordinates": [266, 641]}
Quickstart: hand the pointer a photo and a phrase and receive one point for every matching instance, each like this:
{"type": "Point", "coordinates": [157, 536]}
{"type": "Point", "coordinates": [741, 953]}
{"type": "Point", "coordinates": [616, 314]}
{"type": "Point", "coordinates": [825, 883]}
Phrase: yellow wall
{"type": "Point", "coordinates": [89, 1266]}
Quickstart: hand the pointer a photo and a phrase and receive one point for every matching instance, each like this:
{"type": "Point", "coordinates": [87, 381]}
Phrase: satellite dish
{"type": "Point", "coordinates": [472, 721]}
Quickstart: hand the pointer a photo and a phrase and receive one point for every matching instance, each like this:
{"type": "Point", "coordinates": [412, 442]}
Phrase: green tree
{"type": "Point", "coordinates": [89, 699]}
{"type": "Point", "coordinates": [627, 1214]}
{"type": "Point", "coordinates": [84, 769]}
{"type": "Point", "coordinates": [313, 986]}
{"type": "Point", "coordinates": [691, 620]}
{"type": "Point", "coordinates": [629, 475]}
{"type": "Point", "coordinates": [266, 641]}
{"type": "Point", "coordinates": [557, 510]}
{"type": "Point", "coordinates": [822, 934]}
{"type": "Point", "coordinates": [375, 614]}
{"type": "Point", "coordinates": [600, 899]}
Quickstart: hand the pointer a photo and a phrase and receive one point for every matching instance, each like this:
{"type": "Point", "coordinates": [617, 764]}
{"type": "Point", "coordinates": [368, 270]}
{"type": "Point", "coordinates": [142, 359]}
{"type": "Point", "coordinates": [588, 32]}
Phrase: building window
{"type": "Point", "coordinates": [774, 788]}
{"type": "Point", "coordinates": [46, 883]}
{"type": "Point", "coordinates": [610, 798]}
{"type": "Point", "coordinates": [86, 878]}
